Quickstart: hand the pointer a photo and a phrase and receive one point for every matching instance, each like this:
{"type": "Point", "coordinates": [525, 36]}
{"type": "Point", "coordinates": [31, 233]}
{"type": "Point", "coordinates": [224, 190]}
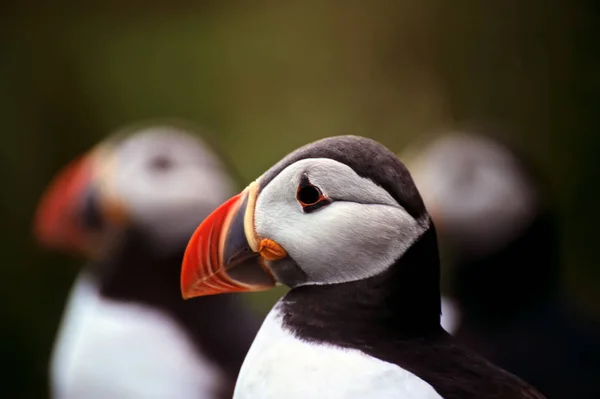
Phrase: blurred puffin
{"type": "Point", "coordinates": [341, 223]}
{"type": "Point", "coordinates": [500, 234]}
{"type": "Point", "coordinates": [130, 206]}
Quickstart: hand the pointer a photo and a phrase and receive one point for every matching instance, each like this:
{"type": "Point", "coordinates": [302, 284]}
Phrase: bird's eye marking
{"type": "Point", "coordinates": [161, 163]}
{"type": "Point", "coordinates": [310, 196]}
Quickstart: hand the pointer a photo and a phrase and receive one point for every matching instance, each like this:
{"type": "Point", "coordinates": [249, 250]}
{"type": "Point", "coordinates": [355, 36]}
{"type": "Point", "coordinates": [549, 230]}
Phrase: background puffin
{"type": "Point", "coordinates": [130, 205]}
{"type": "Point", "coordinates": [502, 251]}
{"type": "Point", "coordinates": [341, 223]}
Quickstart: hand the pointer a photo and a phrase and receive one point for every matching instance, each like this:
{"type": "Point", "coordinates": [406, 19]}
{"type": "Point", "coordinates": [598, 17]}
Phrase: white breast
{"type": "Point", "coordinates": [280, 365]}
{"type": "Point", "coordinates": [108, 349]}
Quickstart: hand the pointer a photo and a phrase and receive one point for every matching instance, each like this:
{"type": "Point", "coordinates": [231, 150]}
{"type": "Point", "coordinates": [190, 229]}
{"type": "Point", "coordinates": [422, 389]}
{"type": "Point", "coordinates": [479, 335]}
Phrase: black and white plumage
{"type": "Point", "coordinates": [130, 206]}
{"type": "Point", "coordinates": [341, 223]}
{"type": "Point", "coordinates": [504, 298]}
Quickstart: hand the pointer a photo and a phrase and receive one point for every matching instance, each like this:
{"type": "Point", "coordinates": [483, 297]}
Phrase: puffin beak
{"type": "Point", "coordinates": [73, 207]}
{"type": "Point", "coordinates": [225, 255]}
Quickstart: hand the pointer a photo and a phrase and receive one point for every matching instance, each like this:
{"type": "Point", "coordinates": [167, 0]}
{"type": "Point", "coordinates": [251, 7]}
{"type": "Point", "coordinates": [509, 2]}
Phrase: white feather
{"type": "Point", "coordinates": [109, 349]}
{"type": "Point", "coordinates": [281, 365]}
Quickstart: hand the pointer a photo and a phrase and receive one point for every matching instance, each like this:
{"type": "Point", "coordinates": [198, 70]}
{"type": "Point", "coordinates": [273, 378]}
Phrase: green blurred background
{"type": "Point", "coordinates": [269, 77]}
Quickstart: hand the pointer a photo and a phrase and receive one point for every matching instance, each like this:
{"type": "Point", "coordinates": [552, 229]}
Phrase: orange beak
{"type": "Point", "coordinates": [77, 204]}
{"type": "Point", "coordinates": [225, 255]}
{"type": "Point", "coordinates": [56, 224]}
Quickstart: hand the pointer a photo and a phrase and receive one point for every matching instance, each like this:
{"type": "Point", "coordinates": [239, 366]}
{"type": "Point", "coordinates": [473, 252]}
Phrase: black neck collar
{"type": "Point", "coordinates": [403, 301]}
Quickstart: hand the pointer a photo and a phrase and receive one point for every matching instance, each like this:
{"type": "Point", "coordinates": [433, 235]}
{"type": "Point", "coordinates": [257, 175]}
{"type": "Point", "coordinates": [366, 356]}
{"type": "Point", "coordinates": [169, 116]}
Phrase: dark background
{"type": "Point", "coordinates": [270, 77]}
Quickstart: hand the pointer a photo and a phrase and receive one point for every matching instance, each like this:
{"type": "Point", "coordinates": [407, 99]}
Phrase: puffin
{"type": "Point", "coordinates": [128, 206]}
{"type": "Point", "coordinates": [500, 232]}
{"type": "Point", "coordinates": [340, 222]}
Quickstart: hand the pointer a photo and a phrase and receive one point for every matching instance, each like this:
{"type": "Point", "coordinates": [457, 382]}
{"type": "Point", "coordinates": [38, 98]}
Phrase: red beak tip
{"type": "Point", "coordinates": [53, 223]}
{"type": "Point", "coordinates": [186, 291]}
{"type": "Point", "coordinates": [201, 260]}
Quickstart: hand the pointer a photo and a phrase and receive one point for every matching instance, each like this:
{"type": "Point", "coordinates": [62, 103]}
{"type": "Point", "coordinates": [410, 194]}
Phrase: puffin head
{"type": "Point", "coordinates": [159, 181]}
{"type": "Point", "coordinates": [494, 219]}
{"type": "Point", "coordinates": [476, 189]}
{"type": "Point", "coordinates": [338, 210]}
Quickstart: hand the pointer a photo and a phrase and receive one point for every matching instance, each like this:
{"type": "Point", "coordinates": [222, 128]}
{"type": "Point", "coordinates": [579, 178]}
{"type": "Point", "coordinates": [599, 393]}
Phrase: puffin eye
{"type": "Point", "coordinates": [161, 163]}
{"type": "Point", "coordinates": [310, 196]}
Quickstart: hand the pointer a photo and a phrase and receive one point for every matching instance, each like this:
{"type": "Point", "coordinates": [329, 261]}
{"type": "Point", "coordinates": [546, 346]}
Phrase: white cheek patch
{"type": "Point", "coordinates": [346, 242]}
{"type": "Point", "coordinates": [339, 182]}
{"type": "Point", "coordinates": [357, 236]}
{"type": "Point", "coordinates": [169, 204]}
{"type": "Point", "coordinates": [476, 189]}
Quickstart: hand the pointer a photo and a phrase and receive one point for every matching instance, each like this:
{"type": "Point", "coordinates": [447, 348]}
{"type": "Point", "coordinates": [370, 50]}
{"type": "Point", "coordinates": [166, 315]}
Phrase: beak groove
{"type": "Point", "coordinates": [224, 255]}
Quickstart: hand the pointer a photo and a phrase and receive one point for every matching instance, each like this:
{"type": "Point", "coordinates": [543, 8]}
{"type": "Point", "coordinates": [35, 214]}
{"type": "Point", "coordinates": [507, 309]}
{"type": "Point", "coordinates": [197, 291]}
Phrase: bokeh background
{"type": "Point", "coordinates": [268, 77]}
